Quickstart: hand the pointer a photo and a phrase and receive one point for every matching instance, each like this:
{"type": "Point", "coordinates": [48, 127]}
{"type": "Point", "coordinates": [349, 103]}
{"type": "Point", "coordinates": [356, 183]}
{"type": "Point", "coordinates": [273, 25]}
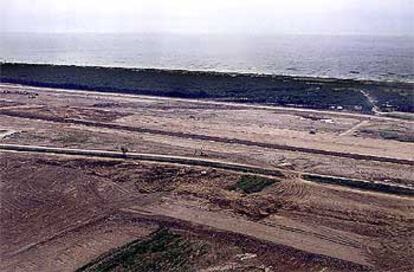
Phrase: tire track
{"type": "Point", "coordinates": [354, 128]}
{"type": "Point", "coordinates": [349, 251]}
{"type": "Point", "coordinates": [293, 190]}
{"type": "Point", "coordinates": [241, 168]}
{"type": "Point", "coordinates": [206, 137]}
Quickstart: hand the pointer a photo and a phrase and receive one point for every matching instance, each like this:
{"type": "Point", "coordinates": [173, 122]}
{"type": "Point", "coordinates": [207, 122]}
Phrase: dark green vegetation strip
{"type": "Point", "coordinates": [163, 251]}
{"type": "Point", "coordinates": [364, 185]}
{"type": "Point", "coordinates": [388, 99]}
{"type": "Point", "coordinates": [277, 90]}
{"type": "Point", "coordinates": [252, 184]}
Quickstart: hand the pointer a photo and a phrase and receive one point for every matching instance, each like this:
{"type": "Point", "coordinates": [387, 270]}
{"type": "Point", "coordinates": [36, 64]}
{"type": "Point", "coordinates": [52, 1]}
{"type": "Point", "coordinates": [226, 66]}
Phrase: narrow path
{"type": "Point", "coordinates": [375, 109]}
{"type": "Point", "coordinates": [354, 128]}
{"type": "Point", "coordinates": [20, 107]}
{"type": "Point", "coordinates": [241, 168]}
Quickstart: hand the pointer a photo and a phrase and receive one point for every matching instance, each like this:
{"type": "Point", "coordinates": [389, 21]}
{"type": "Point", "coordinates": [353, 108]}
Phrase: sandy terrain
{"type": "Point", "coordinates": [65, 211]}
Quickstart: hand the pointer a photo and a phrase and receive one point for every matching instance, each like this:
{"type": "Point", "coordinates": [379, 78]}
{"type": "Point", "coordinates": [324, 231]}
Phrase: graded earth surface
{"type": "Point", "coordinates": [115, 182]}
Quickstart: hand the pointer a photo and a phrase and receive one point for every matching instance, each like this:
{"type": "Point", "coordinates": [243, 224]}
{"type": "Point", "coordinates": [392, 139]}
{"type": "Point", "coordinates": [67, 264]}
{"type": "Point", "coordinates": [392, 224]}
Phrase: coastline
{"type": "Point", "coordinates": [280, 90]}
{"type": "Point", "coordinates": [221, 73]}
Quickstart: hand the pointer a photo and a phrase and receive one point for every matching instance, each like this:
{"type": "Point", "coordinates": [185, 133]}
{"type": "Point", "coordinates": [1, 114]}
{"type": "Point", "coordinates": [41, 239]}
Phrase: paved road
{"type": "Point", "coordinates": [242, 168]}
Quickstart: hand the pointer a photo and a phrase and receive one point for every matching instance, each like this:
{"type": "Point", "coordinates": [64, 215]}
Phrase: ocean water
{"type": "Point", "coordinates": [359, 57]}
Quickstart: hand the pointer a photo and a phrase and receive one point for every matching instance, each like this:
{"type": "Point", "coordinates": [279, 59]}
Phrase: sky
{"type": "Point", "coordinates": [360, 17]}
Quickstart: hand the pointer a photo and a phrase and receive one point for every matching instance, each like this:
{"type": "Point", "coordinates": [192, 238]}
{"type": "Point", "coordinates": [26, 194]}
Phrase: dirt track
{"type": "Point", "coordinates": [198, 101]}
{"type": "Point", "coordinates": [209, 138]}
{"type": "Point", "coordinates": [288, 237]}
{"type": "Point", "coordinates": [341, 181]}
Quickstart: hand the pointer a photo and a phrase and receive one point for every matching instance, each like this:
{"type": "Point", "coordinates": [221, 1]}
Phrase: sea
{"type": "Point", "coordinates": [382, 58]}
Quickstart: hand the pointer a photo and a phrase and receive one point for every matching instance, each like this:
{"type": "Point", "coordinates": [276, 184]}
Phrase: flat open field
{"type": "Point", "coordinates": [200, 186]}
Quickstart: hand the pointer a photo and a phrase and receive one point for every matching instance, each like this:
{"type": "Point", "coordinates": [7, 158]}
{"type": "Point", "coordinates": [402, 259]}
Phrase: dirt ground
{"type": "Point", "coordinates": [66, 211]}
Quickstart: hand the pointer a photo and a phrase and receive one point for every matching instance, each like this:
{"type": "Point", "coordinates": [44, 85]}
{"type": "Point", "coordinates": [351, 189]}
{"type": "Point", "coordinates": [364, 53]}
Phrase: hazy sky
{"type": "Point", "coordinates": [383, 17]}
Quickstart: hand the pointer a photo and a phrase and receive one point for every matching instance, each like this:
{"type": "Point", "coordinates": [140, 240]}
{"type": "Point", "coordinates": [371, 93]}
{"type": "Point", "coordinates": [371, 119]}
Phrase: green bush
{"type": "Point", "coordinates": [252, 184]}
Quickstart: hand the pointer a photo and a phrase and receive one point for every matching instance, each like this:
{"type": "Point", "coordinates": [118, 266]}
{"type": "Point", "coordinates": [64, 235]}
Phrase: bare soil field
{"type": "Point", "coordinates": [72, 212]}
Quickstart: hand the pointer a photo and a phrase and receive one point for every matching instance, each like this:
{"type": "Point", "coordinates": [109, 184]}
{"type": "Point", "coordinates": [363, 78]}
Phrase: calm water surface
{"type": "Point", "coordinates": [363, 57]}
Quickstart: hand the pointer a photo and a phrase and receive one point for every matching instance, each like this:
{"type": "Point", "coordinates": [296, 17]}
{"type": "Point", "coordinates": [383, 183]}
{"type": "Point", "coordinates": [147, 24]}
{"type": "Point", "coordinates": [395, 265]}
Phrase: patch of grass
{"type": "Point", "coordinates": [163, 251]}
{"type": "Point", "coordinates": [252, 184]}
